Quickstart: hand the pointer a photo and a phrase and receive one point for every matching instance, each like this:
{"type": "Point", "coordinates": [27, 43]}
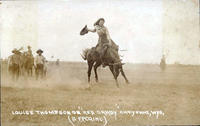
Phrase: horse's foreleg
{"type": "Point", "coordinates": [17, 73]}
{"type": "Point", "coordinates": [123, 74]}
{"type": "Point", "coordinates": [97, 64]}
{"type": "Point", "coordinates": [90, 64]}
{"type": "Point", "coordinates": [31, 71]}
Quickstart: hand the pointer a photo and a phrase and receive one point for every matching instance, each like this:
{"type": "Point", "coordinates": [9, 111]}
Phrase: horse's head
{"type": "Point", "coordinates": [84, 30]}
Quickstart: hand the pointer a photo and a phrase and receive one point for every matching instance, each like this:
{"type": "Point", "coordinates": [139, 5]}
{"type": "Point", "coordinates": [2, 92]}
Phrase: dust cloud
{"type": "Point", "coordinates": [57, 77]}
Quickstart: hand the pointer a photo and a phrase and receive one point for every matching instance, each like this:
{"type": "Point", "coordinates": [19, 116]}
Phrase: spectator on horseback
{"type": "Point", "coordinates": [105, 40]}
{"type": "Point", "coordinates": [29, 52]}
{"type": "Point", "coordinates": [39, 63]}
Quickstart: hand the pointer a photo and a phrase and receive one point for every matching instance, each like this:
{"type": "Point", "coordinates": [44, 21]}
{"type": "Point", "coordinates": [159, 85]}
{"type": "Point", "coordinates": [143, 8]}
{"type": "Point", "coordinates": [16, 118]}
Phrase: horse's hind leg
{"type": "Point", "coordinates": [111, 69]}
{"type": "Point", "coordinates": [115, 73]}
{"type": "Point", "coordinates": [97, 64]}
{"type": "Point", "coordinates": [123, 74]}
{"type": "Point", "coordinates": [27, 70]}
{"type": "Point", "coordinates": [30, 72]}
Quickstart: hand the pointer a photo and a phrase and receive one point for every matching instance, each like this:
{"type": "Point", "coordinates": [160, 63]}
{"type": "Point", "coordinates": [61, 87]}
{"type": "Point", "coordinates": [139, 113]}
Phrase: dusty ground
{"type": "Point", "coordinates": [175, 92]}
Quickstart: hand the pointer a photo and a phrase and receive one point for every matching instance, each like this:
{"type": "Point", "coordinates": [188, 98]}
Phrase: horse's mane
{"type": "Point", "coordinates": [84, 53]}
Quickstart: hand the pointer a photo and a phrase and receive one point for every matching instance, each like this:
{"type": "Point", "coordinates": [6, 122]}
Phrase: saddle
{"type": "Point", "coordinates": [108, 55]}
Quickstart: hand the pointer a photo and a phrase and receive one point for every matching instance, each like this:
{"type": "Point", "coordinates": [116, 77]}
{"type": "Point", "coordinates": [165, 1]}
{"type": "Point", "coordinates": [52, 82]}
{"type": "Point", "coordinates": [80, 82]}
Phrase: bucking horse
{"type": "Point", "coordinates": [111, 59]}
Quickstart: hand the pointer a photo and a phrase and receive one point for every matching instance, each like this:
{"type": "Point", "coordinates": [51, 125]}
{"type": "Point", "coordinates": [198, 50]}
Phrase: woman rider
{"type": "Point", "coordinates": [104, 38]}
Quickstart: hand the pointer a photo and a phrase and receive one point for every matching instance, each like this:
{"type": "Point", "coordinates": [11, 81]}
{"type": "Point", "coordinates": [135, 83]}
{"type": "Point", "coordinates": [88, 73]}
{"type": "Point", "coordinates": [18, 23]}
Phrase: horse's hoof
{"type": "Point", "coordinates": [127, 82]}
{"type": "Point", "coordinates": [88, 89]}
{"type": "Point", "coordinates": [97, 81]}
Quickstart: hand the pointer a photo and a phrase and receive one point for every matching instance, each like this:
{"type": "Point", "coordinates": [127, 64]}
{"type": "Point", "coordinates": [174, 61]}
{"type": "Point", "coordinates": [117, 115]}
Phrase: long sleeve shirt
{"type": "Point", "coordinates": [39, 59]}
{"type": "Point", "coordinates": [103, 30]}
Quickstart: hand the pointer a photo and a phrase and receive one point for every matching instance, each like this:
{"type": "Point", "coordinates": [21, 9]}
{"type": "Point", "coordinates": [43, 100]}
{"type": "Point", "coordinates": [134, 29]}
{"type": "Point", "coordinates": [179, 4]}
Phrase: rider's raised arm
{"type": "Point", "coordinates": [92, 30]}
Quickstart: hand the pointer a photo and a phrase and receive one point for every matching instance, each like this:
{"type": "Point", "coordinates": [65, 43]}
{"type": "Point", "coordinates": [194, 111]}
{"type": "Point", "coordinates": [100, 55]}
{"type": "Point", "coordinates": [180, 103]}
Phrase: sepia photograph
{"type": "Point", "coordinates": [100, 62]}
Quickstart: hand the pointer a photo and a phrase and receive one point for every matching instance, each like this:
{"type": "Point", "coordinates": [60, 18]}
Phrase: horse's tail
{"type": "Point", "coordinates": [84, 54]}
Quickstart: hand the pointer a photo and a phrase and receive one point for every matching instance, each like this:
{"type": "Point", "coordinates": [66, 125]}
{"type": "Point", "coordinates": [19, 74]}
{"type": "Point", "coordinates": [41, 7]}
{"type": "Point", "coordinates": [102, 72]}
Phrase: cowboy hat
{"type": "Point", "coordinates": [39, 50]}
{"type": "Point", "coordinates": [14, 50]}
{"type": "Point", "coordinates": [84, 30]}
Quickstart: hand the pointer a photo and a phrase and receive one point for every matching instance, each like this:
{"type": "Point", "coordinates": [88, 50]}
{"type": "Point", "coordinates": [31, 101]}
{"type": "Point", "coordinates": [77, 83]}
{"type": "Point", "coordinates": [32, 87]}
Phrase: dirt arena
{"type": "Point", "coordinates": [175, 92]}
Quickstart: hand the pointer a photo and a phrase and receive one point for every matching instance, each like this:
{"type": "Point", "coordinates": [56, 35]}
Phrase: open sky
{"type": "Point", "coordinates": [147, 29]}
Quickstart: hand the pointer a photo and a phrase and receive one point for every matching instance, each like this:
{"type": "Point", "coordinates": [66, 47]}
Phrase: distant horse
{"type": "Point", "coordinates": [111, 59]}
{"type": "Point", "coordinates": [28, 64]}
{"type": "Point", "coordinates": [13, 66]}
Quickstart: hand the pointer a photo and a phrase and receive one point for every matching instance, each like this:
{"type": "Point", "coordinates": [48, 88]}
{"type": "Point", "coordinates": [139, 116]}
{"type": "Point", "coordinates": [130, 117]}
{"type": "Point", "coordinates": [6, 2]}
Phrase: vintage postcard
{"type": "Point", "coordinates": [100, 62]}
